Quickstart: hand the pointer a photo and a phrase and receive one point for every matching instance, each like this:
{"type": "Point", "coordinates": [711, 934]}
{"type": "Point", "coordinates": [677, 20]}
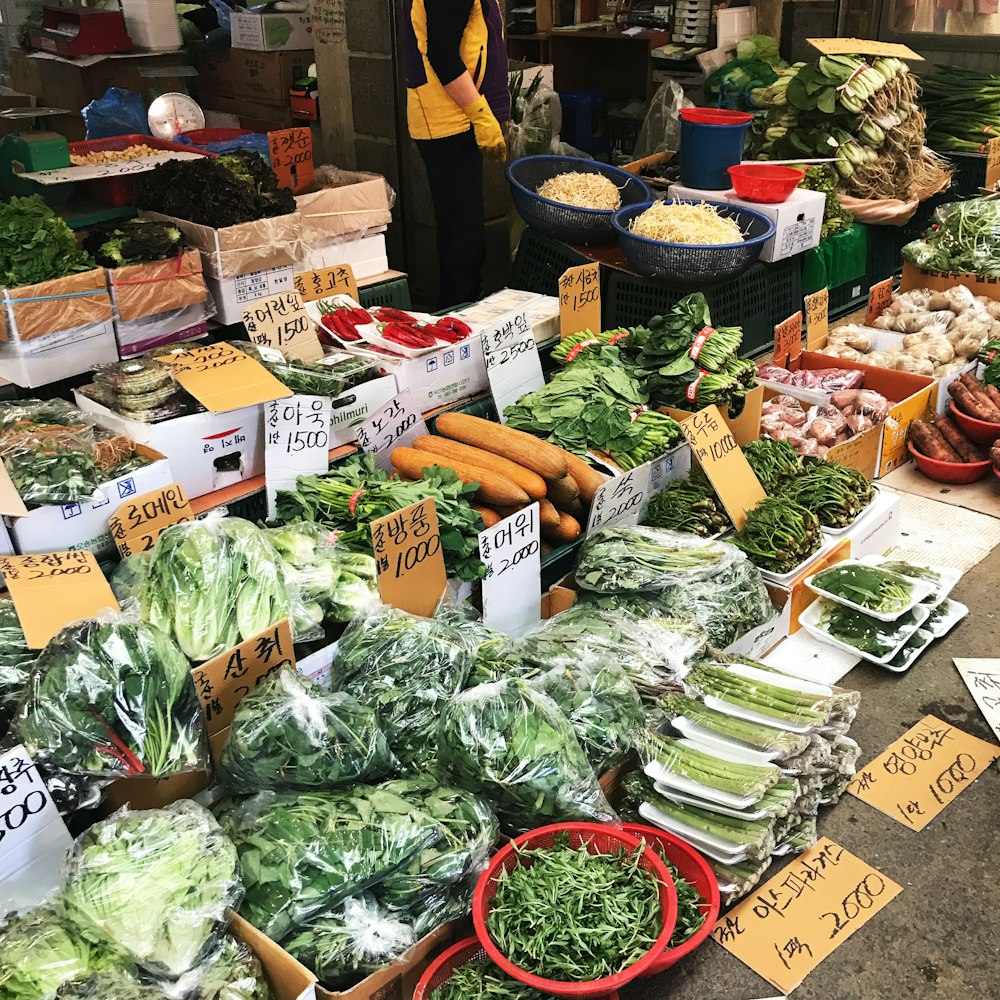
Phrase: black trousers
{"type": "Point", "coordinates": [455, 171]}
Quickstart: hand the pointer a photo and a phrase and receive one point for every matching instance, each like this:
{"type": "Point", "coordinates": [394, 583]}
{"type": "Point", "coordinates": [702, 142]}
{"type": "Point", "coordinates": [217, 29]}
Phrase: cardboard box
{"type": "Point", "coordinates": [206, 450]}
{"type": "Point", "coordinates": [877, 529]}
{"type": "Point", "coordinates": [85, 526]}
{"type": "Point", "coordinates": [798, 220]}
{"type": "Point", "coordinates": [745, 427]}
{"type": "Point", "coordinates": [51, 307]}
{"type": "Point", "coordinates": [231, 295]}
{"type": "Point", "coordinates": [261, 78]}
{"type": "Point", "coordinates": [367, 256]}
{"type": "Point", "coordinates": [224, 112]}
{"type": "Point", "coordinates": [351, 408]}
{"type": "Point", "coordinates": [938, 281]}
{"type": "Point", "coordinates": [270, 32]}
{"type": "Point", "coordinates": [58, 356]}
{"type": "Point", "coordinates": [358, 203]}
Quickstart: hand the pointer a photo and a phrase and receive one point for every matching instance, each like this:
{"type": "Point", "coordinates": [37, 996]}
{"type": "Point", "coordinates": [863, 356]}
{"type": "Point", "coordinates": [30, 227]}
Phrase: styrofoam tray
{"type": "Point", "coordinates": [729, 752]}
{"type": "Point", "coordinates": [912, 655]}
{"type": "Point", "coordinates": [690, 800]}
{"type": "Point", "coordinates": [713, 741]}
{"type": "Point", "coordinates": [809, 620]}
{"type": "Point", "coordinates": [919, 590]}
{"type": "Point", "coordinates": [953, 613]}
{"type": "Point", "coordinates": [713, 847]}
{"type": "Point", "coordinates": [658, 772]}
{"type": "Point", "coordinates": [949, 577]}
{"type": "Point", "coordinates": [785, 578]}
{"type": "Point", "coordinates": [748, 715]}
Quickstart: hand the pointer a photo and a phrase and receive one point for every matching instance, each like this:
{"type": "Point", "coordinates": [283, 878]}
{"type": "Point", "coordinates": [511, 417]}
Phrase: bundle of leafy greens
{"type": "Point", "coordinates": [109, 985]}
{"type": "Point", "coordinates": [136, 241]}
{"type": "Point", "coordinates": [835, 493]}
{"type": "Point", "coordinates": [688, 505]}
{"type": "Point", "coordinates": [155, 884]}
{"type": "Point", "coordinates": [336, 583]}
{"type": "Point", "coordinates": [16, 659]}
{"type": "Point", "coordinates": [303, 853]}
{"type": "Point", "coordinates": [774, 463]}
{"type": "Point", "coordinates": [779, 534]}
{"type": "Point", "coordinates": [111, 700]}
{"type": "Point", "coordinates": [354, 941]}
{"type": "Point", "coordinates": [355, 493]}
{"type": "Point", "coordinates": [215, 192]}
{"type": "Point", "coordinates": [512, 746]}
{"type": "Point", "coordinates": [36, 244]}
{"type": "Point", "coordinates": [480, 979]}
{"type": "Point", "coordinates": [40, 950]}
{"type": "Point", "coordinates": [53, 474]}
{"type": "Point", "coordinates": [869, 586]}
{"type": "Point", "coordinates": [291, 733]}
{"type": "Point", "coordinates": [962, 237]}
{"type": "Point", "coordinates": [493, 655]}
{"type": "Point", "coordinates": [404, 668]}
{"type": "Point", "coordinates": [232, 973]}
{"type": "Point", "coordinates": [334, 374]}
{"type": "Point", "coordinates": [863, 632]}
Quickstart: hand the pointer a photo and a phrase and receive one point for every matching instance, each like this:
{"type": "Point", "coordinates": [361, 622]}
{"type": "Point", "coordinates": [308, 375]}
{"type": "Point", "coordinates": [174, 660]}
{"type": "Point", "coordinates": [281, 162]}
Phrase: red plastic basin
{"type": "Point", "coordinates": [767, 183]}
{"type": "Point", "coordinates": [954, 473]}
{"type": "Point", "coordinates": [715, 116]}
{"type": "Point", "coordinates": [979, 430]}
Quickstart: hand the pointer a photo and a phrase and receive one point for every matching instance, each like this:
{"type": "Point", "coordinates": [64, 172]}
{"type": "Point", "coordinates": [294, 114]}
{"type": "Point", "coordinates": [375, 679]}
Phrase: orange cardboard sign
{"type": "Point", "coordinates": [922, 772]}
{"type": "Point", "coordinates": [864, 47]}
{"type": "Point", "coordinates": [52, 589]}
{"type": "Point", "coordinates": [226, 679]}
{"type": "Point", "coordinates": [713, 445]}
{"type": "Point", "coordinates": [879, 296]}
{"type": "Point", "coordinates": [326, 282]}
{"type": "Point", "coordinates": [291, 151]}
{"type": "Point", "coordinates": [788, 340]}
{"type": "Point", "coordinates": [817, 319]}
{"type": "Point", "coordinates": [791, 923]}
{"type": "Point", "coordinates": [137, 523]}
{"type": "Point", "coordinates": [580, 300]}
{"type": "Point", "coordinates": [222, 377]}
{"type": "Point", "coordinates": [281, 321]}
{"type": "Point", "coordinates": [410, 562]}
{"type": "Point", "coordinates": [992, 162]}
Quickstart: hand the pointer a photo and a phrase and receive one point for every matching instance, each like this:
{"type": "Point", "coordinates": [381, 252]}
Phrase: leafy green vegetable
{"type": "Point", "coordinates": [868, 586]}
{"type": "Point", "coordinates": [53, 474]}
{"type": "Point", "coordinates": [480, 979]}
{"type": "Point", "coordinates": [864, 633]}
{"type": "Point", "coordinates": [112, 700]}
{"type": "Point", "coordinates": [775, 463]}
{"type": "Point", "coordinates": [36, 244]}
{"type": "Point", "coordinates": [511, 745]}
{"type": "Point", "coordinates": [136, 241]}
{"type": "Point", "coordinates": [232, 973]}
{"type": "Point", "coordinates": [962, 237]}
{"type": "Point", "coordinates": [16, 659]}
{"type": "Point", "coordinates": [154, 883]}
{"type": "Point", "coordinates": [779, 534]}
{"type": "Point", "coordinates": [835, 493]}
{"type": "Point", "coordinates": [108, 985]}
{"type": "Point", "coordinates": [291, 733]}
{"type": "Point", "coordinates": [688, 505]}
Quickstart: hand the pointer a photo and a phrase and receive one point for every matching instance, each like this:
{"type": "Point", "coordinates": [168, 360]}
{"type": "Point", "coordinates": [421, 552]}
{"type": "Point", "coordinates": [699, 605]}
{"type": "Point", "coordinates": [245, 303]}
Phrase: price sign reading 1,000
{"type": "Point", "coordinates": [409, 558]}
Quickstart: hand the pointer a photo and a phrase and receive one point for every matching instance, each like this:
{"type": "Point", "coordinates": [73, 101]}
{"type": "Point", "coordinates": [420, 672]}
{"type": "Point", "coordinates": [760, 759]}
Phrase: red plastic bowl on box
{"type": "Point", "coordinates": [955, 473]}
{"type": "Point", "coordinates": [978, 430]}
{"type": "Point", "coordinates": [694, 869]}
{"type": "Point", "coordinates": [766, 183]}
{"type": "Point", "coordinates": [600, 839]}
{"type": "Point", "coordinates": [715, 116]}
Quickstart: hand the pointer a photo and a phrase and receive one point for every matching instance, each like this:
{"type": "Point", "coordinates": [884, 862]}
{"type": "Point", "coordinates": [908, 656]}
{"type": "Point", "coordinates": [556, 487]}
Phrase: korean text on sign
{"type": "Point", "coordinates": [511, 356]}
{"type": "Point", "coordinates": [510, 551]}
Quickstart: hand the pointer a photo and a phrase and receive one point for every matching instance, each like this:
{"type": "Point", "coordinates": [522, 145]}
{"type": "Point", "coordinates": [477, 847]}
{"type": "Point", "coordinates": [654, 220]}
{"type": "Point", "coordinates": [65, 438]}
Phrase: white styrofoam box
{"type": "Point", "coordinates": [85, 526]}
{"type": "Point", "coordinates": [877, 530]}
{"type": "Point", "coordinates": [207, 451]}
{"type": "Point", "coordinates": [764, 637]}
{"type": "Point", "coordinates": [271, 31]}
{"type": "Point", "coordinates": [366, 255]}
{"type": "Point", "coordinates": [797, 221]}
{"type": "Point", "coordinates": [734, 24]}
{"type": "Point", "coordinates": [542, 310]}
{"type": "Point", "coordinates": [150, 332]}
{"type": "Point", "coordinates": [350, 409]}
{"type": "Point", "coordinates": [31, 363]}
{"type": "Point", "coordinates": [233, 295]}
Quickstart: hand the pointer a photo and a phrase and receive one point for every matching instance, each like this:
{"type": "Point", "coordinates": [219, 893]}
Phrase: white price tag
{"type": "Point", "coordinates": [621, 500]}
{"type": "Point", "coordinates": [296, 442]}
{"type": "Point", "coordinates": [33, 838]}
{"type": "Point", "coordinates": [982, 678]}
{"type": "Point", "coordinates": [674, 465]}
{"type": "Point", "coordinates": [512, 588]}
{"type": "Point", "coordinates": [512, 364]}
{"type": "Point", "coordinates": [394, 426]}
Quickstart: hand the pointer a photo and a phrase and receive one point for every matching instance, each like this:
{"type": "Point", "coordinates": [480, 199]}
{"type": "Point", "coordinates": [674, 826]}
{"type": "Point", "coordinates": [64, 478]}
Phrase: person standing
{"type": "Point", "coordinates": [457, 101]}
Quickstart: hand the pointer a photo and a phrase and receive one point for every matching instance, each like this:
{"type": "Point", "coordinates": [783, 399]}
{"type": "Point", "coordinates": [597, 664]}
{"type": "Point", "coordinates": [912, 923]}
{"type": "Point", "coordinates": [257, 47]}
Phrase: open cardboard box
{"type": "Point", "coordinates": [745, 427]}
{"type": "Point", "coordinates": [940, 281]}
{"type": "Point", "coordinates": [358, 203]}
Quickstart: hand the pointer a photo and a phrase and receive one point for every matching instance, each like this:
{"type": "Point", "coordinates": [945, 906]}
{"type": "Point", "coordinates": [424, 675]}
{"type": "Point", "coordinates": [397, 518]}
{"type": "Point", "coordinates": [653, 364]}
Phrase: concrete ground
{"type": "Point", "coordinates": [940, 938]}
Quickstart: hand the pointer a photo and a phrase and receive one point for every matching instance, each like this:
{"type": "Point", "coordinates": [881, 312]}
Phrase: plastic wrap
{"type": "Point", "coordinates": [291, 733]}
{"type": "Point", "coordinates": [25, 422]}
{"type": "Point", "coordinates": [155, 883]}
{"type": "Point", "coordinates": [639, 558]}
{"type": "Point", "coordinates": [16, 659]}
{"type": "Point", "coordinates": [868, 635]}
{"type": "Point", "coordinates": [233, 972]}
{"type": "Point", "coordinates": [535, 118]}
{"type": "Point", "coordinates": [344, 202]}
{"type": "Point", "coordinates": [112, 699]}
{"type": "Point", "coordinates": [53, 475]}
{"type": "Point", "coordinates": [661, 130]}
{"type": "Point", "coordinates": [345, 946]}
{"type": "Point", "coordinates": [511, 745]}
{"type": "Point", "coordinates": [824, 379]}
{"type": "Point", "coordinates": [405, 668]}
{"type": "Point", "coordinates": [108, 985]}
{"type": "Point", "coordinates": [302, 854]}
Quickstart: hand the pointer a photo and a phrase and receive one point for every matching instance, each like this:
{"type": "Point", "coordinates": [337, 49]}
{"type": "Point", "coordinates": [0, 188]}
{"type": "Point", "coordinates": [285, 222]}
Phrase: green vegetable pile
{"type": "Point", "coordinates": [331, 376]}
{"type": "Point", "coordinates": [480, 979]}
{"type": "Point", "coordinates": [835, 493]}
{"type": "Point", "coordinates": [989, 355]}
{"type": "Point", "coordinates": [137, 241]}
{"type": "Point", "coordinates": [868, 586]}
{"type": "Point", "coordinates": [53, 474]}
{"type": "Point", "coordinates": [232, 973]}
{"type": "Point", "coordinates": [823, 178]}
{"type": "Point", "coordinates": [962, 237]}
{"type": "Point", "coordinates": [291, 733]}
{"type": "Point", "coordinates": [355, 493]}
{"type": "Point", "coordinates": [16, 659]}
{"type": "Point", "coordinates": [601, 912]}
{"type": "Point", "coordinates": [108, 985]}
{"type": "Point", "coordinates": [775, 463]}
{"type": "Point", "coordinates": [688, 505]}
{"type": "Point", "coordinates": [779, 534]}
{"type": "Point", "coordinates": [961, 105]}
{"type": "Point", "coordinates": [36, 244]}
{"type": "Point", "coordinates": [864, 633]}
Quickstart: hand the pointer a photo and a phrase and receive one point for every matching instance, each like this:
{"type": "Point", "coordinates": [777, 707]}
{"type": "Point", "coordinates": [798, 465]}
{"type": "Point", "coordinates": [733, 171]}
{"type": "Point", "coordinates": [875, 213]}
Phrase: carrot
{"type": "Point", "coordinates": [548, 516]}
{"type": "Point", "coordinates": [493, 489]}
{"type": "Point", "coordinates": [588, 479]}
{"type": "Point", "coordinates": [564, 492]}
{"type": "Point", "coordinates": [524, 449]}
{"type": "Point", "coordinates": [973, 405]}
{"type": "Point", "coordinates": [951, 432]}
{"type": "Point", "coordinates": [568, 531]}
{"type": "Point", "coordinates": [490, 517]}
{"type": "Point", "coordinates": [529, 481]}
{"type": "Point", "coordinates": [928, 441]}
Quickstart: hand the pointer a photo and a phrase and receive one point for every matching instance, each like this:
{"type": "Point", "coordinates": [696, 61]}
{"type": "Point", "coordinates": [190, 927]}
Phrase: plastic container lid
{"type": "Point", "coordinates": [715, 116]}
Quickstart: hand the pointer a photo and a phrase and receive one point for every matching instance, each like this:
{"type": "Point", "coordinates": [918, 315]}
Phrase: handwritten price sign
{"type": "Point", "coordinates": [409, 559]}
{"type": "Point", "coordinates": [137, 524]}
{"type": "Point", "coordinates": [511, 552]}
{"type": "Point", "coordinates": [817, 319]}
{"type": "Point", "coordinates": [326, 282]}
{"type": "Point", "coordinates": [394, 426]}
{"type": "Point", "coordinates": [922, 772]}
{"type": "Point", "coordinates": [296, 441]}
{"type": "Point", "coordinates": [512, 364]}
{"type": "Point", "coordinates": [580, 300]}
{"type": "Point", "coordinates": [798, 918]}
{"type": "Point", "coordinates": [982, 678]}
{"type": "Point", "coordinates": [788, 340]}
{"type": "Point", "coordinates": [879, 296]}
{"type": "Point", "coordinates": [291, 151]}
{"type": "Point", "coordinates": [281, 321]}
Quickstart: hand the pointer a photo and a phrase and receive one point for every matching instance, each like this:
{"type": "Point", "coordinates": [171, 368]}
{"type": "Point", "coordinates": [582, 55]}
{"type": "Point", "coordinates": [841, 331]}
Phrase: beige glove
{"type": "Point", "coordinates": [489, 136]}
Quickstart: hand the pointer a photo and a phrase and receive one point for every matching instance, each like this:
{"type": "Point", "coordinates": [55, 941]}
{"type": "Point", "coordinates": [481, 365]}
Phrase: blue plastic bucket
{"type": "Point", "coordinates": [708, 151]}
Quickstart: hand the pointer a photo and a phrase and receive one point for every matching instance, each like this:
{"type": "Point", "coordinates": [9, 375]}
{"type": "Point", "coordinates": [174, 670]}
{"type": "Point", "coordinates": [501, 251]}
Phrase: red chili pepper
{"type": "Point", "coordinates": [407, 336]}
{"type": "Point", "coordinates": [443, 333]}
{"type": "Point", "coordinates": [344, 328]}
{"type": "Point", "coordinates": [455, 325]}
{"type": "Point", "coordinates": [387, 314]}
{"type": "Point", "coordinates": [361, 316]}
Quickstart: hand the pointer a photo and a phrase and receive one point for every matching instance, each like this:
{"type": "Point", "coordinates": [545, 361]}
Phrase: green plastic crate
{"type": "Point", "coordinates": [394, 293]}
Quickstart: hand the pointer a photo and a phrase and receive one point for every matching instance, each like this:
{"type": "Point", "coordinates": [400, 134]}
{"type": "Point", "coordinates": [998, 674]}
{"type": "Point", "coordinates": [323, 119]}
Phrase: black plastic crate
{"type": "Point", "coordinates": [540, 262]}
{"type": "Point", "coordinates": [970, 173]}
{"type": "Point", "coordinates": [847, 297]}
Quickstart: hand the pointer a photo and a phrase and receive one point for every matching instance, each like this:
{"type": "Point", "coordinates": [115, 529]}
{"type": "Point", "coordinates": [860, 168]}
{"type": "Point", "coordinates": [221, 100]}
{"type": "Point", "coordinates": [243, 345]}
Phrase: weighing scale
{"type": "Point", "coordinates": [171, 115]}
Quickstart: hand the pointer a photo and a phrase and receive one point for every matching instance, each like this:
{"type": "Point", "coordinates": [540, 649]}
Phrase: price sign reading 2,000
{"type": "Point", "coordinates": [413, 555]}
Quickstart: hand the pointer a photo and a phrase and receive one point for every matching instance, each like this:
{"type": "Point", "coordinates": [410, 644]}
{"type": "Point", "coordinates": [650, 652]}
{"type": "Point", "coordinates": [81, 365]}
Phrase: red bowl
{"type": "Point", "coordinates": [694, 869]}
{"type": "Point", "coordinates": [978, 430]}
{"type": "Point", "coordinates": [956, 473]}
{"type": "Point", "coordinates": [715, 116]}
{"type": "Point", "coordinates": [767, 183]}
{"type": "Point", "coordinates": [600, 839]}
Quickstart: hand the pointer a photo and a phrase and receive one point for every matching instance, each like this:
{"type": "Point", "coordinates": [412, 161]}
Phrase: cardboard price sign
{"type": "Point", "coordinates": [296, 441]}
{"type": "Point", "coordinates": [137, 523]}
{"type": "Point", "coordinates": [580, 300]}
{"type": "Point", "coordinates": [52, 589]}
{"type": "Point", "coordinates": [281, 321]}
{"type": "Point", "coordinates": [817, 319]}
{"type": "Point", "coordinates": [394, 426]}
{"type": "Point", "coordinates": [226, 679]}
{"type": "Point", "coordinates": [864, 47]}
{"type": "Point", "coordinates": [512, 364]}
{"type": "Point", "coordinates": [511, 552]}
{"type": "Point", "coordinates": [788, 340]}
{"type": "Point", "coordinates": [992, 162]}
{"type": "Point", "coordinates": [791, 923]}
{"type": "Point", "coordinates": [223, 378]}
{"type": "Point", "coordinates": [920, 774]}
{"type": "Point", "coordinates": [722, 459]}
{"type": "Point", "coordinates": [409, 559]}
{"type": "Point", "coordinates": [879, 296]}
{"type": "Point", "coordinates": [326, 282]}
{"type": "Point", "coordinates": [982, 678]}
{"type": "Point", "coordinates": [33, 838]}
{"type": "Point", "coordinates": [291, 152]}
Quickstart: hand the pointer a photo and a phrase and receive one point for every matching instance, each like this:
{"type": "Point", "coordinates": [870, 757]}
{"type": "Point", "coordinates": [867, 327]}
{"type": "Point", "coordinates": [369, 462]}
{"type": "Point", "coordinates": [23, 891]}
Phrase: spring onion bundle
{"type": "Point", "coordinates": [963, 237]}
{"type": "Point", "coordinates": [583, 190]}
{"type": "Point", "coordinates": [692, 223]}
{"type": "Point", "coordinates": [963, 107]}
